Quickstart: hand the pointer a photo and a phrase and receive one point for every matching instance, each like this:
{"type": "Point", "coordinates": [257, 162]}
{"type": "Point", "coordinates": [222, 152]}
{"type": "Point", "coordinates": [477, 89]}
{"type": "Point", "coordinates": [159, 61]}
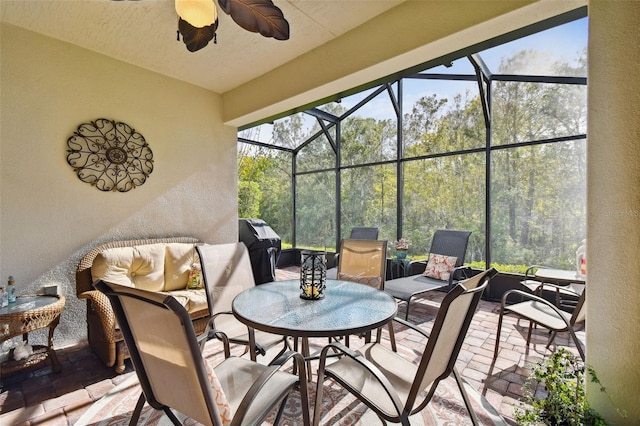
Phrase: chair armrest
{"type": "Point", "coordinates": [211, 333]}
{"type": "Point", "coordinates": [264, 378]}
{"type": "Point", "coordinates": [533, 297]}
{"type": "Point", "coordinates": [364, 363]}
{"type": "Point", "coordinates": [101, 307]}
{"type": "Point", "coordinates": [417, 267]}
{"type": "Point", "coordinates": [459, 273]}
{"type": "Point", "coordinates": [412, 326]}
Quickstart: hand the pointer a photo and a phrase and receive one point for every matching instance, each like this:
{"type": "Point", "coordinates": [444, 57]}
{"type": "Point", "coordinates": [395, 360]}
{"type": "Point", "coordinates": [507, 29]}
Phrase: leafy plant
{"type": "Point", "coordinates": [564, 380]}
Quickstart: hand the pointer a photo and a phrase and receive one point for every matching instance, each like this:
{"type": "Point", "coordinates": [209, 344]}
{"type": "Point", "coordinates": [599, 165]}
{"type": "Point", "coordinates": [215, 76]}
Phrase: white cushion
{"type": "Point", "coordinates": [139, 266]}
{"type": "Point", "coordinates": [177, 263]}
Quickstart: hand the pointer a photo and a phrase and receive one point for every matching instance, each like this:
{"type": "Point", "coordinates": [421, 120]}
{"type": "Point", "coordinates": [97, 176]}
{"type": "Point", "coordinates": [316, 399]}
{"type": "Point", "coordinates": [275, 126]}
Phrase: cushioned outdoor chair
{"type": "Point", "coordinates": [394, 387]}
{"type": "Point", "coordinates": [226, 272]}
{"type": "Point", "coordinates": [441, 271]}
{"type": "Point", "coordinates": [167, 358]}
{"type": "Point", "coordinates": [541, 312]}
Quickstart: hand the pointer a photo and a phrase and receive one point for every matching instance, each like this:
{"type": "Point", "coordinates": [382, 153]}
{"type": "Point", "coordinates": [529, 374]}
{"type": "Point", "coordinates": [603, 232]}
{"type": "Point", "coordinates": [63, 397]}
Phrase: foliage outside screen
{"type": "Point", "coordinates": [537, 190]}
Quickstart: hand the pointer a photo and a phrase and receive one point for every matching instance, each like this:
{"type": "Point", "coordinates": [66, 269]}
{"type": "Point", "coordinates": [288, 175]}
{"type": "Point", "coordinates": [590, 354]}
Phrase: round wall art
{"type": "Point", "coordinates": [109, 155]}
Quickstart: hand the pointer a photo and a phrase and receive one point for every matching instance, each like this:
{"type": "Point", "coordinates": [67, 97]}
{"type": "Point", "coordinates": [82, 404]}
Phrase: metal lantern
{"type": "Point", "coordinates": [313, 274]}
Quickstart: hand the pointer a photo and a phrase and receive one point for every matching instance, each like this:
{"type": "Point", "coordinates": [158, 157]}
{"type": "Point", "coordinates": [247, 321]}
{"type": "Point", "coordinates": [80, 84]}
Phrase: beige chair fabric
{"type": "Point", "coordinates": [363, 261]}
{"type": "Point", "coordinates": [393, 386]}
{"type": "Point", "coordinates": [173, 375]}
{"type": "Point", "coordinates": [540, 311]}
{"type": "Point", "coordinates": [226, 270]}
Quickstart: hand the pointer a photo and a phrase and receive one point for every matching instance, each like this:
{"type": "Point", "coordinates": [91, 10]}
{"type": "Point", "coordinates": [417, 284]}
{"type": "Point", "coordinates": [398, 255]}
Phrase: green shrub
{"type": "Point", "coordinates": [565, 403]}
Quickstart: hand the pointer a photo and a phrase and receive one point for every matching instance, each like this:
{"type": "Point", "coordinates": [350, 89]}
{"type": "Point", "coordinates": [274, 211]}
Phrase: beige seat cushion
{"type": "Point", "coordinates": [192, 300]}
{"type": "Point", "coordinates": [139, 266]}
{"type": "Point", "coordinates": [177, 263]}
{"type": "Point", "coordinates": [151, 267]}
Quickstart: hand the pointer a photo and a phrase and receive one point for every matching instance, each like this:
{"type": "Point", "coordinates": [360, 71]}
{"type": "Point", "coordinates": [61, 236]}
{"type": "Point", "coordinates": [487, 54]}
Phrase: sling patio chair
{"type": "Point", "coordinates": [441, 272]}
{"type": "Point", "coordinates": [364, 262]}
{"type": "Point", "coordinates": [167, 358]}
{"type": "Point", "coordinates": [226, 272]}
{"type": "Point", "coordinates": [393, 386]}
{"type": "Point", "coordinates": [357, 233]}
{"type": "Point", "coordinates": [566, 295]}
{"type": "Point", "coordinates": [541, 312]}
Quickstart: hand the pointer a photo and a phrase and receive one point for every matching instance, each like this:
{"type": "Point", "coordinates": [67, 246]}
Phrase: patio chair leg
{"type": "Point", "coordinates": [406, 314]}
{"type": "Point", "coordinates": [392, 337]}
{"type": "Point", "coordinates": [172, 416]}
{"type": "Point", "coordinates": [495, 351]}
{"type": "Point", "coordinates": [136, 412]}
{"type": "Point", "coordinates": [465, 397]}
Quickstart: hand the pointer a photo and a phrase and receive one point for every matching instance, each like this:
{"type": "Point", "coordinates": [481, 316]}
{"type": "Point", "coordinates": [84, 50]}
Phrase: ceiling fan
{"type": "Point", "coordinates": [198, 19]}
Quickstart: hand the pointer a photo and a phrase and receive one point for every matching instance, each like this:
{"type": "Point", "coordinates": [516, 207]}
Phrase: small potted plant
{"type": "Point", "coordinates": [401, 246]}
{"type": "Point", "coordinates": [563, 402]}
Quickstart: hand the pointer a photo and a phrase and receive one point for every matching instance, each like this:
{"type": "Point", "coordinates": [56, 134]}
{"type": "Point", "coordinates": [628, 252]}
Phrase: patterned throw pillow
{"type": "Point", "coordinates": [195, 281]}
{"type": "Point", "coordinates": [218, 394]}
{"type": "Point", "coordinates": [440, 266]}
{"type": "Point", "coordinates": [375, 282]}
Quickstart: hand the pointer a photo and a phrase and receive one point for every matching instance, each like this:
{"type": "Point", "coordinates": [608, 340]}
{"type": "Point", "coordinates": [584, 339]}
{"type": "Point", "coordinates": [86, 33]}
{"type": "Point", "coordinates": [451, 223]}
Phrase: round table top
{"type": "Point", "coordinates": [559, 276]}
{"type": "Point", "coordinates": [29, 303]}
{"type": "Point", "coordinates": [347, 308]}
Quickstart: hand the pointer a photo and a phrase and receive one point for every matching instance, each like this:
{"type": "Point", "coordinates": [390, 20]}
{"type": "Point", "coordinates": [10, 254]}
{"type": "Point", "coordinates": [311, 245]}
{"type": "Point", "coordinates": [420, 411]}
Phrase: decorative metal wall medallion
{"type": "Point", "coordinates": [109, 155]}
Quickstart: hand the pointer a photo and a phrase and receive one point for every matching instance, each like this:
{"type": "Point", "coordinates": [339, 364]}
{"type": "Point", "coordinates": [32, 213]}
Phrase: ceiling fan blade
{"type": "Point", "coordinates": [196, 38]}
{"type": "Point", "coordinates": [258, 16]}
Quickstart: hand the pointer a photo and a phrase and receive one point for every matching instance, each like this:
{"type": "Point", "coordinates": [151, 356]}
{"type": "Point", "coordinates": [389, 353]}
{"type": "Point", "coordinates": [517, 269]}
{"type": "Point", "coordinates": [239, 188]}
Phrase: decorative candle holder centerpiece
{"type": "Point", "coordinates": [313, 274]}
{"type": "Point", "coordinates": [402, 247]}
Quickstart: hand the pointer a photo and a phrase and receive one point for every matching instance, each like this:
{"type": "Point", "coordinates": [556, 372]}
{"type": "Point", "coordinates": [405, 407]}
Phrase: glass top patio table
{"type": "Point", "coordinates": [559, 276]}
{"type": "Point", "coordinates": [347, 308]}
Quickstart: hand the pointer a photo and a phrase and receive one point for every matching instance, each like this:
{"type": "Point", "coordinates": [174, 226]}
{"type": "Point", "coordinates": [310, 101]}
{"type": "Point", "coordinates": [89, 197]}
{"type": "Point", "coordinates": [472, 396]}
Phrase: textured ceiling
{"type": "Point", "coordinates": [144, 33]}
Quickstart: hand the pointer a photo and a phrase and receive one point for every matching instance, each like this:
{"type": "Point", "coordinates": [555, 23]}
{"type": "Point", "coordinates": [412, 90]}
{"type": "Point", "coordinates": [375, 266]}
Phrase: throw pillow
{"type": "Point", "coordinates": [439, 266]}
{"type": "Point", "coordinates": [375, 282]}
{"type": "Point", "coordinates": [195, 281]}
{"type": "Point", "coordinates": [224, 409]}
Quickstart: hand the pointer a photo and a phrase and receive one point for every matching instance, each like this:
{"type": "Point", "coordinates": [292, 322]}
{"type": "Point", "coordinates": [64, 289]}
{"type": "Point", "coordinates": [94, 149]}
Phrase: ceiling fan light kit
{"type": "Point", "coordinates": [198, 13]}
{"type": "Point", "coordinates": [198, 19]}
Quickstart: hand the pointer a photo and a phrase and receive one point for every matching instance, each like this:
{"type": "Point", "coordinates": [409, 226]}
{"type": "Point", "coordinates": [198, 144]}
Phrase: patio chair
{"type": "Point", "coordinates": [394, 387]}
{"type": "Point", "coordinates": [364, 233]}
{"type": "Point", "coordinates": [565, 295]}
{"type": "Point", "coordinates": [445, 245]}
{"type": "Point", "coordinates": [226, 272]}
{"type": "Point", "coordinates": [541, 312]}
{"type": "Point", "coordinates": [173, 375]}
{"type": "Point", "coordinates": [357, 233]}
{"type": "Point", "coordinates": [364, 262]}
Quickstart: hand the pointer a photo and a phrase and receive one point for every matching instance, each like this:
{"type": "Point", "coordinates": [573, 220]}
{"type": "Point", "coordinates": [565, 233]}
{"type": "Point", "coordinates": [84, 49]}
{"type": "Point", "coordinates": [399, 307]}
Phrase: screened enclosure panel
{"type": "Point", "coordinates": [265, 188]}
{"type": "Point", "coordinates": [316, 210]}
{"type": "Point", "coordinates": [524, 112]}
{"type": "Point", "coordinates": [369, 198]}
{"type": "Point", "coordinates": [538, 204]}
{"type": "Point", "coordinates": [445, 193]}
{"type": "Point", "coordinates": [441, 116]}
{"type": "Point", "coordinates": [318, 154]}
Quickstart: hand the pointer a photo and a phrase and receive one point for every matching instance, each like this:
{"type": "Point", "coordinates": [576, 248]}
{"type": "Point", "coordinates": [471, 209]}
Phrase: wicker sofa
{"type": "Point", "coordinates": [162, 264]}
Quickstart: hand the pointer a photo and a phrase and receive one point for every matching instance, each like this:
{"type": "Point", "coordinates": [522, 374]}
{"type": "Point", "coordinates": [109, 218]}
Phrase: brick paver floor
{"type": "Point", "coordinates": [41, 397]}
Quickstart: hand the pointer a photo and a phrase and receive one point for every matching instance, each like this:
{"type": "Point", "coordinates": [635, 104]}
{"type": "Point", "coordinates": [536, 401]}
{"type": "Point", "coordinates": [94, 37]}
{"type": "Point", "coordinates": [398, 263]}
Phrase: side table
{"type": "Point", "coordinates": [27, 314]}
{"type": "Point", "coordinates": [398, 268]}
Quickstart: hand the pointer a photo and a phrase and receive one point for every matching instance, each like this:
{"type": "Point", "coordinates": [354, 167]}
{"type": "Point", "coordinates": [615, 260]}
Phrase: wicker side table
{"type": "Point", "coordinates": [27, 314]}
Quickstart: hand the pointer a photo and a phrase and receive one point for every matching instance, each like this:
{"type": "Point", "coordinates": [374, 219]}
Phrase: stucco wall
{"type": "Point", "coordinates": [613, 207]}
{"type": "Point", "coordinates": [49, 218]}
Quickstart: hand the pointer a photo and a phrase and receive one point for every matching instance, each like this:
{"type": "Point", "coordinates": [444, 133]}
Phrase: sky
{"type": "Point", "coordinates": [565, 42]}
